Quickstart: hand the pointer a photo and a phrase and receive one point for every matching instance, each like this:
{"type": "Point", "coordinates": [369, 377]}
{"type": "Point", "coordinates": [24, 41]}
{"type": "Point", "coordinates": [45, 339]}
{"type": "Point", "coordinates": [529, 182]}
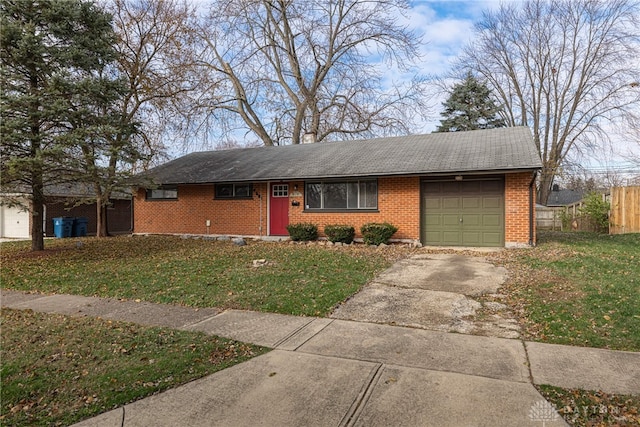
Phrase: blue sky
{"type": "Point", "coordinates": [446, 26]}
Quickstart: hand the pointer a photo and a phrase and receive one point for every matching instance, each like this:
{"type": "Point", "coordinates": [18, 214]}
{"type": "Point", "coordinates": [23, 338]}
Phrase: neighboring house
{"type": "Point", "coordinates": [563, 197]}
{"type": "Point", "coordinates": [62, 201]}
{"type": "Point", "coordinates": [461, 188]}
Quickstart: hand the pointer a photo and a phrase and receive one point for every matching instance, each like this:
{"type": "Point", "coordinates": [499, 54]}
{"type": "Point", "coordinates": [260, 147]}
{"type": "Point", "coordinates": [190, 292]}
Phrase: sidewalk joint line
{"type": "Point", "coordinates": [361, 400]}
{"type": "Point", "coordinates": [282, 340]}
{"type": "Point", "coordinates": [312, 336]}
{"type": "Point", "coordinates": [191, 325]}
{"type": "Point", "coordinates": [526, 356]}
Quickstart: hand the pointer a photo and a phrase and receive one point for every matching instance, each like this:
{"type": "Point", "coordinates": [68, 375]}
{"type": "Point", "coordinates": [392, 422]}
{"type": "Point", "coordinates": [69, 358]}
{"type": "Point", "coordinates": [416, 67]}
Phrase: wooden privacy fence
{"type": "Point", "coordinates": [625, 210]}
{"type": "Point", "coordinates": [549, 218]}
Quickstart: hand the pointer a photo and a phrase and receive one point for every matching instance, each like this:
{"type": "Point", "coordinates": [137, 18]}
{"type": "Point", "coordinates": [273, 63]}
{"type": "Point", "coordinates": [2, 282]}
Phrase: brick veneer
{"type": "Point", "coordinates": [195, 206]}
{"type": "Point", "coordinates": [398, 203]}
{"type": "Point", "coordinates": [516, 207]}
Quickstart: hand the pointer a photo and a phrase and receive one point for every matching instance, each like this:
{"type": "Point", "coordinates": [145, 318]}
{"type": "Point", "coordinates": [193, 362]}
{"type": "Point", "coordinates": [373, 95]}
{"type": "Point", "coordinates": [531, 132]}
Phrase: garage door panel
{"type": "Point", "coordinates": [470, 187]}
{"type": "Point", "coordinates": [489, 220]}
{"type": "Point", "coordinates": [451, 238]}
{"type": "Point", "coordinates": [451, 203]}
{"type": "Point", "coordinates": [449, 187]}
{"type": "Point", "coordinates": [472, 238]}
{"type": "Point", "coordinates": [492, 202]}
{"type": "Point", "coordinates": [471, 202]}
{"type": "Point", "coordinates": [471, 220]}
{"type": "Point", "coordinates": [433, 203]}
{"type": "Point", "coordinates": [434, 236]}
{"type": "Point", "coordinates": [450, 220]}
{"type": "Point", "coordinates": [493, 186]}
{"type": "Point", "coordinates": [433, 220]}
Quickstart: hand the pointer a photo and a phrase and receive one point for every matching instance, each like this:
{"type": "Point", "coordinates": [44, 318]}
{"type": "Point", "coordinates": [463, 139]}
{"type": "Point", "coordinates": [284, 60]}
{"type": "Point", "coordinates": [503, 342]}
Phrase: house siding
{"type": "Point", "coordinates": [398, 204]}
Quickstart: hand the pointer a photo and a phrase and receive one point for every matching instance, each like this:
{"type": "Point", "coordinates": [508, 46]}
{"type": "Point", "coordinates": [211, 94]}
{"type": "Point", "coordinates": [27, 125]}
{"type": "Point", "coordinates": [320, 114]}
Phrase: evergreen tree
{"type": "Point", "coordinates": [54, 80]}
{"type": "Point", "coordinates": [470, 107]}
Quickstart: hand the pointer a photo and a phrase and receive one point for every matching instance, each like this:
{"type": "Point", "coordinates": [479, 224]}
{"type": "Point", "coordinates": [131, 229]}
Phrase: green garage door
{"type": "Point", "coordinates": [463, 213]}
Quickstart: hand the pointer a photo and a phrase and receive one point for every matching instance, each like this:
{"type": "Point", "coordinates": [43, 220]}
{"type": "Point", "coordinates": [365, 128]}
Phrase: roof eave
{"type": "Point", "coordinates": [521, 169]}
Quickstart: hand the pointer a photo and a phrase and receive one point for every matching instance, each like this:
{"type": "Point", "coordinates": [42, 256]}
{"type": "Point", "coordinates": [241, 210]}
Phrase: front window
{"type": "Point", "coordinates": [341, 195]}
{"type": "Point", "coordinates": [163, 193]}
{"type": "Point", "coordinates": [233, 191]}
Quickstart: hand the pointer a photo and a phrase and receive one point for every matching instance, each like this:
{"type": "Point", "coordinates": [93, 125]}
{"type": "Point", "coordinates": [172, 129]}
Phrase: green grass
{"type": "Point", "coordinates": [298, 279]}
{"type": "Point", "coordinates": [58, 370]}
{"type": "Point", "coordinates": [581, 289]}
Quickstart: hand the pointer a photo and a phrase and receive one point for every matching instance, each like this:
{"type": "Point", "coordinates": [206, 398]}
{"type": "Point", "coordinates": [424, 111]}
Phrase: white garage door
{"type": "Point", "coordinates": [14, 222]}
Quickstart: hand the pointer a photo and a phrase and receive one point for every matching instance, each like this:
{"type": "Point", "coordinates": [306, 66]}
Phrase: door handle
{"type": "Point", "coordinates": [460, 219]}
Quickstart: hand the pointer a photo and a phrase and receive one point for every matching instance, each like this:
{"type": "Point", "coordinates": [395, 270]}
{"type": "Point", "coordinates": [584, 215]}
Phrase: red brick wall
{"type": "Point", "coordinates": [516, 207]}
{"type": "Point", "coordinates": [398, 203]}
{"type": "Point", "coordinates": [196, 205]}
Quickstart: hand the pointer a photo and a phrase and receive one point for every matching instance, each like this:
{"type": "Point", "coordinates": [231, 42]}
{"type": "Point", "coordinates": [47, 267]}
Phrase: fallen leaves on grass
{"type": "Point", "coordinates": [300, 279]}
{"type": "Point", "coordinates": [57, 370]}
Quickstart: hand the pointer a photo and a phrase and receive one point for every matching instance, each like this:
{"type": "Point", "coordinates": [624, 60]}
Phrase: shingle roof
{"type": "Point", "coordinates": [564, 197]}
{"type": "Point", "coordinates": [505, 149]}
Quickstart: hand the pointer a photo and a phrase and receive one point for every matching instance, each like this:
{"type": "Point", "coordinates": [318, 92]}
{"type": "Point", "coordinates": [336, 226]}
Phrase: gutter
{"type": "Point", "coordinates": [531, 204]}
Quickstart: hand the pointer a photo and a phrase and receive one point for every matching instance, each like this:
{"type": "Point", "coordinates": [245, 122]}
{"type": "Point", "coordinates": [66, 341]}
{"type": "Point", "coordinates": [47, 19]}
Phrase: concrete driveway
{"type": "Point", "coordinates": [438, 292]}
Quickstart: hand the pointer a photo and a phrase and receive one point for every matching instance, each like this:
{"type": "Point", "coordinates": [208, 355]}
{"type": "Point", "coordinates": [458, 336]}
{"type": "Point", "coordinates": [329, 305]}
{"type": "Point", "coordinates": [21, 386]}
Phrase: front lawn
{"type": "Point", "coordinates": [58, 370]}
{"type": "Point", "coordinates": [578, 289]}
{"type": "Point", "coordinates": [296, 279]}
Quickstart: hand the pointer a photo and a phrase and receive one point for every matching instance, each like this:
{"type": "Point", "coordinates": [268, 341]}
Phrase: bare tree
{"type": "Point", "coordinates": [285, 68]}
{"type": "Point", "coordinates": [565, 68]}
{"type": "Point", "coordinates": [155, 41]}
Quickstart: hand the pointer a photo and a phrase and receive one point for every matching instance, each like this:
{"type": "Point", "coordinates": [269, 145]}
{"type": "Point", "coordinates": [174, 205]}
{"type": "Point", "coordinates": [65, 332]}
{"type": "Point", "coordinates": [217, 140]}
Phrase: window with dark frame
{"type": "Point", "coordinates": [233, 191]}
{"type": "Point", "coordinates": [162, 193]}
{"type": "Point", "coordinates": [341, 195]}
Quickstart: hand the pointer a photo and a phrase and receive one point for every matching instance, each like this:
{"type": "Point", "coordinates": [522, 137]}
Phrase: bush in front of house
{"type": "Point", "coordinates": [302, 231]}
{"type": "Point", "coordinates": [377, 233]}
{"type": "Point", "coordinates": [340, 233]}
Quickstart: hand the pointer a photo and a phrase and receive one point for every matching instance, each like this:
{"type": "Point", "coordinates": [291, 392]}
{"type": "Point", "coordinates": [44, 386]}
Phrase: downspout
{"type": "Point", "coordinates": [531, 202]}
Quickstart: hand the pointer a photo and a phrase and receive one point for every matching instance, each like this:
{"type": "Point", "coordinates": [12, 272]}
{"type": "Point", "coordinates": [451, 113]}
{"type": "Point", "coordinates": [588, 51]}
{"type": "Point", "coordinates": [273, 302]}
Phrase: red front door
{"type": "Point", "coordinates": [279, 210]}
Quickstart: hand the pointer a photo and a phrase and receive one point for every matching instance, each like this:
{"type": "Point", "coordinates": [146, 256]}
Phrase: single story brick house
{"type": "Point", "coordinates": [472, 188]}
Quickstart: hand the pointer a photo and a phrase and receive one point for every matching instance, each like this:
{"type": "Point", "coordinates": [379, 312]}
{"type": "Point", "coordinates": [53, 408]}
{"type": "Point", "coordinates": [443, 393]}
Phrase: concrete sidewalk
{"type": "Point", "coordinates": [337, 372]}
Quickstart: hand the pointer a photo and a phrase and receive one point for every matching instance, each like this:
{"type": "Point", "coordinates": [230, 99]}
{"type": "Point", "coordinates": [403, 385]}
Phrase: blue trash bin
{"type": "Point", "coordinates": [80, 226]}
{"type": "Point", "coordinates": [62, 227]}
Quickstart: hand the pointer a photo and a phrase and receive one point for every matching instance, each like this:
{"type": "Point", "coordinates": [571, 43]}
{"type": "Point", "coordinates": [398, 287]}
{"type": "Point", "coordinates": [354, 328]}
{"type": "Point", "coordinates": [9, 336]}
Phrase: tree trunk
{"type": "Point", "coordinates": [101, 218]}
{"type": "Point", "coordinates": [546, 181]}
{"type": "Point", "coordinates": [37, 211]}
